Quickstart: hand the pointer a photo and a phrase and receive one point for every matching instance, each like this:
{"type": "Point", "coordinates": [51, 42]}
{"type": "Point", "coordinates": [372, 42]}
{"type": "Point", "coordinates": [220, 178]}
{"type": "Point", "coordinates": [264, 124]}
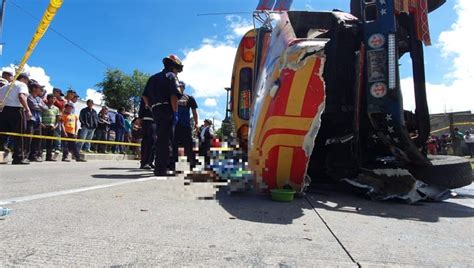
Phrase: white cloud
{"type": "Point", "coordinates": [238, 25]}
{"type": "Point", "coordinates": [36, 73]}
{"type": "Point", "coordinates": [39, 74]}
{"type": "Point", "coordinates": [208, 69]}
{"type": "Point", "coordinates": [217, 124]}
{"type": "Point", "coordinates": [212, 115]}
{"type": "Point", "coordinates": [456, 94]}
{"type": "Point", "coordinates": [210, 102]}
{"type": "Point", "coordinates": [309, 5]}
{"type": "Point", "coordinates": [457, 43]}
{"type": "Point", "coordinates": [94, 95]}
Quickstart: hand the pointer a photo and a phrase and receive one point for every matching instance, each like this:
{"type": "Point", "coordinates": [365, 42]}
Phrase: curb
{"type": "Point", "coordinates": [89, 157]}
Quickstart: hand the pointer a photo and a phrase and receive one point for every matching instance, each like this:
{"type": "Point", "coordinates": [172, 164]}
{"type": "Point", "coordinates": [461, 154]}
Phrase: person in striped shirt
{"type": "Point", "coordinates": [49, 124]}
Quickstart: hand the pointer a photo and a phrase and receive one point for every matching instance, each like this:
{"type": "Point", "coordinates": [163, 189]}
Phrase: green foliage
{"type": "Point", "coordinates": [219, 134]}
{"type": "Point", "coordinates": [123, 90]}
{"type": "Point", "coordinates": [226, 131]}
{"type": "Point", "coordinates": [227, 128]}
{"type": "Point", "coordinates": [138, 82]}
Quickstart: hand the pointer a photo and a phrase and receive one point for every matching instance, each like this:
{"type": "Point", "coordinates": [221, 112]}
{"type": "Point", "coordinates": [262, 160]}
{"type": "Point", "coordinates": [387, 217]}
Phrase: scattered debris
{"type": "Point", "coordinates": [4, 211]}
{"type": "Point", "coordinates": [385, 184]}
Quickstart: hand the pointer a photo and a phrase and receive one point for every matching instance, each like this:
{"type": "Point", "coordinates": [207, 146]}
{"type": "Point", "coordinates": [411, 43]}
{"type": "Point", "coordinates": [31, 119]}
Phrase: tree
{"type": "Point", "coordinates": [115, 88]}
{"type": "Point", "coordinates": [219, 134]}
{"type": "Point", "coordinates": [122, 90]}
{"type": "Point", "coordinates": [138, 82]}
{"type": "Point", "coordinates": [228, 128]}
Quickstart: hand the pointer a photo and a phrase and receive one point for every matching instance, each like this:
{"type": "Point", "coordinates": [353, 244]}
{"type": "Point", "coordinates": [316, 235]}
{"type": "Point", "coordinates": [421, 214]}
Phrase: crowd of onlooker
{"type": "Point", "coordinates": [456, 143]}
{"type": "Point", "coordinates": [53, 115]}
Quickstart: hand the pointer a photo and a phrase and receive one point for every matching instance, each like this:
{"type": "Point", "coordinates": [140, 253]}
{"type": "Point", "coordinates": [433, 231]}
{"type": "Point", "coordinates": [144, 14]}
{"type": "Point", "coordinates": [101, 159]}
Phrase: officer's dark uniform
{"type": "Point", "coordinates": [159, 89]}
{"type": "Point", "coordinates": [148, 136]}
{"type": "Point", "coordinates": [183, 131]}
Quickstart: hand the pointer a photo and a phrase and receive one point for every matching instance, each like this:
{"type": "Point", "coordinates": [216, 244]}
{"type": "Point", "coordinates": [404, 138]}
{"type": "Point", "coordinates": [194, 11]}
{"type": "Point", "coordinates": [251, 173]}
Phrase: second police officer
{"type": "Point", "coordinates": [148, 136]}
{"type": "Point", "coordinates": [161, 96]}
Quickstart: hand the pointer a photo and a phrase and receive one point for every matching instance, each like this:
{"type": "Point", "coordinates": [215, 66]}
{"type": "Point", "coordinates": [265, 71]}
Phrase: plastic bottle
{"type": "Point", "coordinates": [4, 211]}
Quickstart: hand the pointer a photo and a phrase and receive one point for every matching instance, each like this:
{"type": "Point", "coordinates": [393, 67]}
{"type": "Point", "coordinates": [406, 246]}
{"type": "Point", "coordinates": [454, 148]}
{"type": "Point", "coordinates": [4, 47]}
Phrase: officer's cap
{"type": "Point", "coordinates": [173, 60]}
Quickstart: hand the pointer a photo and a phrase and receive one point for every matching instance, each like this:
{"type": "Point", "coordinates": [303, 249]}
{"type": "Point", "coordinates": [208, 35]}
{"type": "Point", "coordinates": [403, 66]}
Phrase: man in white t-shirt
{"type": "Point", "coordinates": [469, 139]}
{"type": "Point", "coordinates": [14, 108]}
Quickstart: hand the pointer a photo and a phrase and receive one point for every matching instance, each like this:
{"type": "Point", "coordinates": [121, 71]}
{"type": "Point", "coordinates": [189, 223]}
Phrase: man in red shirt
{"type": "Point", "coordinates": [60, 102]}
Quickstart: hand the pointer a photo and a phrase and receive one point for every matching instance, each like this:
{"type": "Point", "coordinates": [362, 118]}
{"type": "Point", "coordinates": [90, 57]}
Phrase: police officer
{"type": "Point", "coordinates": [161, 97]}
{"type": "Point", "coordinates": [148, 136]}
{"type": "Point", "coordinates": [183, 133]}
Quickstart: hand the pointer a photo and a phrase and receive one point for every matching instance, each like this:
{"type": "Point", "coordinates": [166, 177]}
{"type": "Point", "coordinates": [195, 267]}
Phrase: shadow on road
{"type": "Point", "coordinates": [124, 176]}
{"type": "Point", "coordinates": [124, 169]}
{"type": "Point", "coordinates": [260, 208]}
{"type": "Point", "coordinates": [346, 202]}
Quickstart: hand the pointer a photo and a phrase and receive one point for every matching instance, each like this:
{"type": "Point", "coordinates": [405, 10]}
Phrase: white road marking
{"type": "Point", "coordinates": [73, 191]}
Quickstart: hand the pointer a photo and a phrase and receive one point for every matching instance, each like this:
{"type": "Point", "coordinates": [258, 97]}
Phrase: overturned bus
{"type": "Point", "coordinates": [316, 97]}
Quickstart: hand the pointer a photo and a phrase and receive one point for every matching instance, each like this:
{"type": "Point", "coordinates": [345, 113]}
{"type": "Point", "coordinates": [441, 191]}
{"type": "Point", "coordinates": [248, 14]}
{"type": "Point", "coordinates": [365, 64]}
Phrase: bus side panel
{"type": "Point", "coordinates": [289, 118]}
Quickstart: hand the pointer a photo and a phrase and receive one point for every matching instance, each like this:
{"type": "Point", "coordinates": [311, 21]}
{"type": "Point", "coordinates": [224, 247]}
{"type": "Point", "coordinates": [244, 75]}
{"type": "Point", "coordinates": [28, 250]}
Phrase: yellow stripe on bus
{"type": "Point", "coordinates": [298, 89]}
{"type": "Point", "coordinates": [285, 160]}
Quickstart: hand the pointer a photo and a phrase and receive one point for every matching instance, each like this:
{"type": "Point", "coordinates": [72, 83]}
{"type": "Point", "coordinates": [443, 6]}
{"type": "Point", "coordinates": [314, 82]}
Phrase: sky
{"type": "Point", "coordinates": [137, 34]}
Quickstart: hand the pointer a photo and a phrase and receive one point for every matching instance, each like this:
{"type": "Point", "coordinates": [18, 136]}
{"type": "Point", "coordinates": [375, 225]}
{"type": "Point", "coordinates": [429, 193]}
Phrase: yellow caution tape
{"type": "Point", "coordinates": [48, 16]}
{"type": "Point", "coordinates": [68, 139]}
{"type": "Point", "coordinates": [455, 124]}
{"type": "Point", "coordinates": [220, 149]}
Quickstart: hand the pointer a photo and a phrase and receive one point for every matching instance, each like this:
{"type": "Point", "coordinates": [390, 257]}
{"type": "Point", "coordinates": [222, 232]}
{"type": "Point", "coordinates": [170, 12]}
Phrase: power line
{"type": "Point", "coordinates": [65, 37]}
{"type": "Point", "coordinates": [223, 13]}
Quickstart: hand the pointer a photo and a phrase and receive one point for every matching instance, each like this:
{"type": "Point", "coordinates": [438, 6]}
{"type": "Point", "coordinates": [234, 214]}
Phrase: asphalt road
{"type": "Point", "coordinates": [111, 214]}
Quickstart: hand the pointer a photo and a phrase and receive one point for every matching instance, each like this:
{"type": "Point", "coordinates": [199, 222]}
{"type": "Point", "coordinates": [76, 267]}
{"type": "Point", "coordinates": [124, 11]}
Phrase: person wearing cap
{"type": "Point", "coordinates": [59, 102]}
{"type": "Point", "coordinates": [71, 98]}
{"type": "Point", "coordinates": [161, 95]}
{"type": "Point", "coordinates": [148, 129]}
{"type": "Point", "coordinates": [205, 136]}
{"type": "Point", "coordinates": [183, 133]}
{"type": "Point", "coordinates": [69, 95]}
{"type": "Point", "coordinates": [13, 110]}
{"type": "Point", "coordinates": [49, 124]}
{"type": "Point", "coordinates": [7, 76]}
{"type": "Point", "coordinates": [33, 124]}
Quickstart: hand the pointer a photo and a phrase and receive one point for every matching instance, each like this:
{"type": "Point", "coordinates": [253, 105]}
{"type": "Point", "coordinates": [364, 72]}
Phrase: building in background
{"type": "Point", "coordinates": [446, 122]}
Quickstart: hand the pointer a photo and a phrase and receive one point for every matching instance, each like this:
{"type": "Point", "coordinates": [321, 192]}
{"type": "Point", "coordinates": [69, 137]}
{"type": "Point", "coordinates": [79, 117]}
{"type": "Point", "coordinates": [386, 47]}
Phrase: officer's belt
{"type": "Point", "coordinates": [159, 103]}
{"type": "Point", "coordinates": [147, 119]}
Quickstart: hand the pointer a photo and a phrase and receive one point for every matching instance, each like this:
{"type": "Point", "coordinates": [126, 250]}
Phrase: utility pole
{"type": "Point", "coordinates": [2, 15]}
{"type": "Point", "coordinates": [227, 106]}
{"type": "Point", "coordinates": [227, 126]}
